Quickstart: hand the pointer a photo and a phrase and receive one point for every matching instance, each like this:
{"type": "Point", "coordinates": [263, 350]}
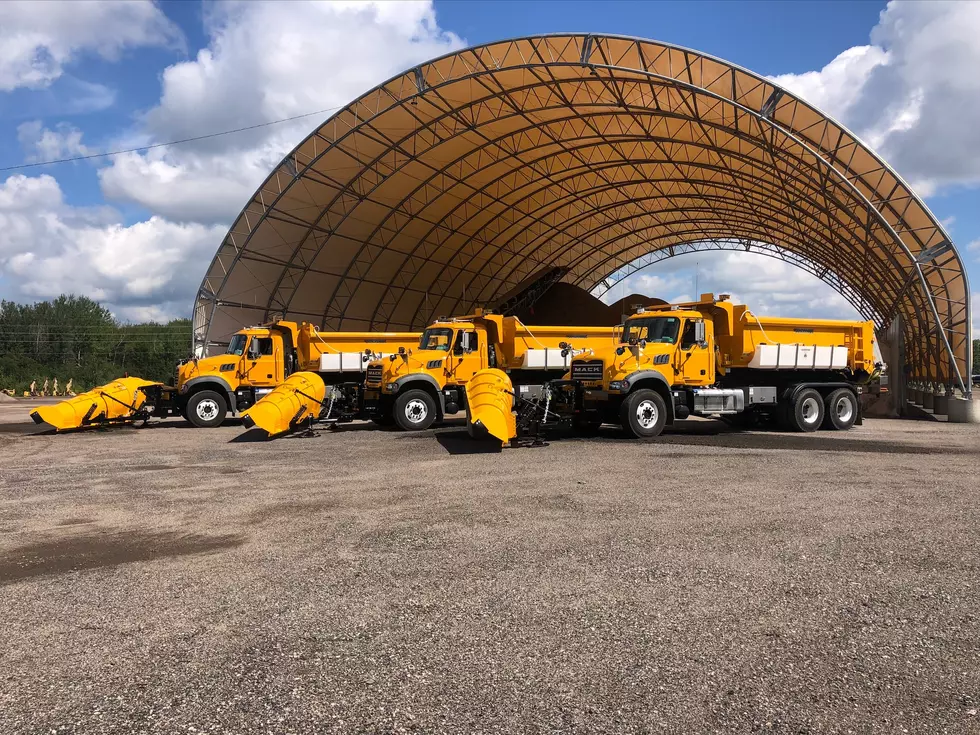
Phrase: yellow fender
{"type": "Point", "coordinates": [115, 401]}
{"type": "Point", "coordinates": [490, 401]}
{"type": "Point", "coordinates": [291, 403]}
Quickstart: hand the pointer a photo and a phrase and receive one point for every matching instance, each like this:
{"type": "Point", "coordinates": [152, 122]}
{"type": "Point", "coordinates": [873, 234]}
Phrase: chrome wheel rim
{"type": "Point", "coordinates": [844, 409]}
{"type": "Point", "coordinates": [207, 409]}
{"type": "Point", "coordinates": [810, 410]}
{"type": "Point", "coordinates": [416, 411]}
{"type": "Point", "coordinates": [647, 414]}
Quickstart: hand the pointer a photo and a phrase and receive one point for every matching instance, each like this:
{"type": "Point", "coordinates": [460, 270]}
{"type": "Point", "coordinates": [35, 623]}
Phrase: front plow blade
{"type": "Point", "coordinates": [490, 397]}
{"type": "Point", "coordinates": [291, 403]}
{"type": "Point", "coordinates": [119, 400]}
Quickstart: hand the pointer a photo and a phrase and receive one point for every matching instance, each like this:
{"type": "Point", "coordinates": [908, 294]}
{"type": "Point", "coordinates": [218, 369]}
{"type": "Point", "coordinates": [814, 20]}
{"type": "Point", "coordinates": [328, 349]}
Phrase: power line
{"type": "Point", "coordinates": [169, 143]}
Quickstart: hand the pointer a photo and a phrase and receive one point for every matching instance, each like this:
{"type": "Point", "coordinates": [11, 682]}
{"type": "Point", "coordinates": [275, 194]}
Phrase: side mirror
{"type": "Point", "coordinates": [464, 341]}
{"type": "Point", "coordinates": [700, 332]}
{"type": "Point", "coordinates": [563, 345]}
{"type": "Point", "coordinates": [401, 350]}
{"type": "Point", "coordinates": [643, 343]}
{"type": "Point", "coordinates": [367, 352]}
{"type": "Point", "coordinates": [620, 350]}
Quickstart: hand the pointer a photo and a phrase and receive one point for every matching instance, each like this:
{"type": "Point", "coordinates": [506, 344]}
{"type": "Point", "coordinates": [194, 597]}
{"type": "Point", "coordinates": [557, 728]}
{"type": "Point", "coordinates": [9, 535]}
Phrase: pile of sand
{"type": "Point", "coordinates": [564, 303]}
{"type": "Point", "coordinates": [4, 398]}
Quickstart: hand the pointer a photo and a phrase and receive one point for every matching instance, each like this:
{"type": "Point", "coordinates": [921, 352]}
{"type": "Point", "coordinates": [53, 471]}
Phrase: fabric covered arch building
{"type": "Point", "coordinates": [578, 158]}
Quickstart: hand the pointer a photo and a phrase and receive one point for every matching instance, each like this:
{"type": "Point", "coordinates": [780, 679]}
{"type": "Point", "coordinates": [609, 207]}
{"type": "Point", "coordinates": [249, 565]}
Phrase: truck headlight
{"type": "Point", "coordinates": [619, 385]}
{"type": "Point", "coordinates": [392, 387]}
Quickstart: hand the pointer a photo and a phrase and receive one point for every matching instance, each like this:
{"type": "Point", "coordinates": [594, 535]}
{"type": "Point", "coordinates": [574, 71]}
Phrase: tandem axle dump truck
{"type": "Point", "coordinates": [257, 360]}
{"type": "Point", "coordinates": [704, 358]}
{"type": "Point", "coordinates": [415, 388]}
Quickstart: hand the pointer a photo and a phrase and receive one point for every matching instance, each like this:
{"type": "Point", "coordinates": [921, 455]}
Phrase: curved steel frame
{"type": "Point", "coordinates": [446, 186]}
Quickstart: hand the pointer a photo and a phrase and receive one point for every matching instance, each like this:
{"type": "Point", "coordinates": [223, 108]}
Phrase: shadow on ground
{"type": "Point", "coordinates": [458, 441]}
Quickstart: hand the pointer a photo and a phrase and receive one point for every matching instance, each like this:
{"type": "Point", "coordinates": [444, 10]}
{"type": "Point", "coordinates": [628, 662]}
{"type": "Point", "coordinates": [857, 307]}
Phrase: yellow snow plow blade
{"type": "Point", "coordinates": [116, 401]}
{"type": "Point", "coordinates": [291, 403]}
{"type": "Point", "coordinates": [490, 400]}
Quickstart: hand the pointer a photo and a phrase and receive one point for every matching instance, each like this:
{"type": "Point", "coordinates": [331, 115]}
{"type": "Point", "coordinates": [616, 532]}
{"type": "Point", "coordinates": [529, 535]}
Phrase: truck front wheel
{"type": "Point", "coordinates": [643, 413]}
{"type": "Point", "coordinates": [806, 413]}
{"type": "Point", "coordinates": [841, 410]}
{"type": "Point", "coordinates": [415, 410]}
{"type": "Point", "coordinates": [206, 409]}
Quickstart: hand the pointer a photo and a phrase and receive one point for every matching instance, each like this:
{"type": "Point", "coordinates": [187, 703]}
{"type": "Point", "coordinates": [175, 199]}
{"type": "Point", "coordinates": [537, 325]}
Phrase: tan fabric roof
{"type": "Point", "coordinates": [447, 186]}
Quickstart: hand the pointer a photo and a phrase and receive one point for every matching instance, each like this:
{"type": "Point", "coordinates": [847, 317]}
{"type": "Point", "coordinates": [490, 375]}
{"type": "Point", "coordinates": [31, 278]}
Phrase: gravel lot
{"type": "Point", "coordinates": [169, 579]}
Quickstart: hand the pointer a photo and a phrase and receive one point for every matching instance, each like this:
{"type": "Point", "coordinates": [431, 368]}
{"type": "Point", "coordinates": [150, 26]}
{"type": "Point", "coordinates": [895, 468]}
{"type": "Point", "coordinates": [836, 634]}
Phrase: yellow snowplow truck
{"type": "Point", "coordinates": [417, 387]}
{"type": "Point", "coordinates": [704, 358]}
{"type": "Point", "coordinates": [257, 360]}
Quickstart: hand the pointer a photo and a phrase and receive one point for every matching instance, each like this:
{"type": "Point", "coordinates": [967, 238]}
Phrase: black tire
{"type": "Point", "coordinates": [415, 410]}
{"type": "Point", "coordinates": [806, 413]}
{"type": "Point", "coordinates": [840, 410]}
{"type": "Point", "coordinates": [206, 409]}
{"type": "Point", "coordinates": [643, 413]}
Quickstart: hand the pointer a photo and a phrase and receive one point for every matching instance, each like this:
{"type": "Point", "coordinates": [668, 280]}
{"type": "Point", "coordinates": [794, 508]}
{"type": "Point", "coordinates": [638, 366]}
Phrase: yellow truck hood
{"type": "Point", "coordinates": [424, 361]}
{"type": "Point", "coordinates": [615, 366]}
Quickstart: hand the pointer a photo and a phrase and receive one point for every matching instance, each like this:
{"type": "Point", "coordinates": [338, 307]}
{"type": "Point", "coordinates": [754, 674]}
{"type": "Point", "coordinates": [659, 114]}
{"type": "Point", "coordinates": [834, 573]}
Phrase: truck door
{"type": "Point", "coordinates": [469, 355]}
{"type": "Point", "coordinates": [695, 353]}
{"type": "Point", "coordinates": [263, 362]}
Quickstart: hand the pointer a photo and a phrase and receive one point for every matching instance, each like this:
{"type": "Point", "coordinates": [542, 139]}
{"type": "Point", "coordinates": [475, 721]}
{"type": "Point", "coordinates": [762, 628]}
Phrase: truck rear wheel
{"type": "Point", "coordinates": [415, 410]}
{"type": "Point", "coordinates": [206, 409]}
{"type": "Point", "coordinates": [643, 413]}
{"type": "Point", "coordinates": [841, 410]}
{"type": "Point", "coordinates": [806, 413]}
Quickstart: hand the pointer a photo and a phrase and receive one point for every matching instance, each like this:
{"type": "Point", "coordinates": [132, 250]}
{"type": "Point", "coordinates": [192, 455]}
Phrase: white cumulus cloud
{"type": "Point", "coordinates": [264, 62]}
{"type": "Point", "coordinates": [913, 94]}
{"type": "Point", "coordinates": [767, 285]}
{"type": "Point", "coordinates": [48, 247]}
{"type": "Point", "coordinates": [43, 144]}
{"type": "Point", "coordinates": [39, 39]}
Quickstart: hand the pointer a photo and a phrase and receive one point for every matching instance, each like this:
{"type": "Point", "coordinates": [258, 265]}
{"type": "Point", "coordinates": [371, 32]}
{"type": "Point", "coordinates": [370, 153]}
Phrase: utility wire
{"type": "Point", "coordinates": [169, 143]}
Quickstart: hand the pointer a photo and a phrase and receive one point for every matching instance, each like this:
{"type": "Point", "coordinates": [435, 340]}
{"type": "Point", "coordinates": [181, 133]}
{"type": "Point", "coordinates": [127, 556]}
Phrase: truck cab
{"type": "Point", "coordinates": [417, 387]}
{"type": "Point", "coordinates": [658, 351]}
{"type": "Point", "coordinates": [256, 361]}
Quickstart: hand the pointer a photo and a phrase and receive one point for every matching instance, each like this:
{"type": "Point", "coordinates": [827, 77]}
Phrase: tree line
{"type": "Point", "coordinates": [75, 338]}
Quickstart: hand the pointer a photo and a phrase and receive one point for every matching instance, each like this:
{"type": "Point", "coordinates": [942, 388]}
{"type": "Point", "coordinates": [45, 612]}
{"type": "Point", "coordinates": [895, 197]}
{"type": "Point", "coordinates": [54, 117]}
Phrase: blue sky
{"type": "Point", "coordinates": [137, 231]}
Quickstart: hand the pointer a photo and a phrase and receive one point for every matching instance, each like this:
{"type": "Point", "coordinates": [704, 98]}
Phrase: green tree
{"type": "Point", "coordinates": [74, 337]}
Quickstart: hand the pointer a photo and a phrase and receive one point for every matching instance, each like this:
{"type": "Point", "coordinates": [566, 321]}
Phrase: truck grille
{"type": "Point", "coordinates": [587, 370]}
{"type": "Point", "coordinates": [374, 374]}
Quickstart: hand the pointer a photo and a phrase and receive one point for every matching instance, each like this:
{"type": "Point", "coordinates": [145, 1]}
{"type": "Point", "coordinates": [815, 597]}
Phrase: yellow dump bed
{"type": "Point", "coordinates": [344, 352]}
{"type": "Point", "coordinates": [534, 347]}
{"type": "Point", "coordinates": [775, 343]}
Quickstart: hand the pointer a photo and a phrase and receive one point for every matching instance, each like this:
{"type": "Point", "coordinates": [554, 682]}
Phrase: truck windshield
{"type": "Point", "coordinates": [652, 329]}
{"type": "Point", "coordinates": [237, 345]}
{"type": "Point", "coordinates": [436, 338]}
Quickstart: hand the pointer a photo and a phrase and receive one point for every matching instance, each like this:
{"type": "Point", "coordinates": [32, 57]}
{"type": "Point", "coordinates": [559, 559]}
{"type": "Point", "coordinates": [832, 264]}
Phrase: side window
{"type": "Point", "coordinates": [467, 338]}
{"type": "Point", "coordinates": [261, 346]}
{"type": "Point", "coordinates": [688, 338]}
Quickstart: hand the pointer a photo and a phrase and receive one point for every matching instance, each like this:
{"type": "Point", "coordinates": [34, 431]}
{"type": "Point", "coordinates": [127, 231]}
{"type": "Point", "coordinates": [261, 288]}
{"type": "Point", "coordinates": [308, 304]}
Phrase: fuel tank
{"type": "Point", "coordinates": [490, 405]}
{"type": "Point", "coordinates": [290, 404]}
{"type": "Point", "coordinates": [119, 400]}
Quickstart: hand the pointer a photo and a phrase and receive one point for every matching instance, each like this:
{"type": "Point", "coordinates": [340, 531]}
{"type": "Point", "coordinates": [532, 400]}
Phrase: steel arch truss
{"type": "Point", "coordinates": [449, 185]}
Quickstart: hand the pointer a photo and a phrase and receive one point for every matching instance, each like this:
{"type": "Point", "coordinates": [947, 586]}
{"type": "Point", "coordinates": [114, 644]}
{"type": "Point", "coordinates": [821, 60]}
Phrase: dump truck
{"type": "Point", "coordinates": [704, 358]}
{"type": "Point", "coordinates": [256, 361]}
{"type": "Point", "coordinates": [414, 388]}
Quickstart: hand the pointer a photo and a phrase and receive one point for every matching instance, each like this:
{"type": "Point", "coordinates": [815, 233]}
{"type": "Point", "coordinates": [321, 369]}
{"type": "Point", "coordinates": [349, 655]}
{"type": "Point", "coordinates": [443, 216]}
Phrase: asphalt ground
{"type": "Point", "coordinates": [170, 579]}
